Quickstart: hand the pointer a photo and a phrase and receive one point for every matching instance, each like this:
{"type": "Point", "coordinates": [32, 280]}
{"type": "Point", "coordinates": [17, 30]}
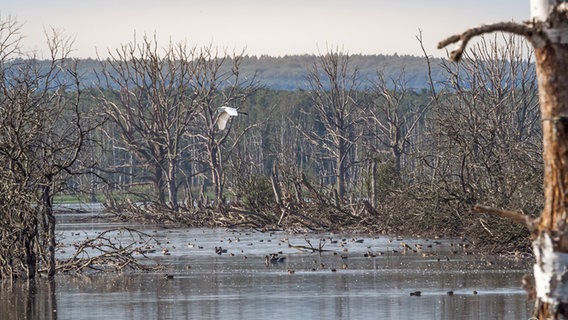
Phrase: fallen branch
{"type": "Point", "coordinates": [310, 248]}
{"type": "Point", "coordinates": [105, 252]}
{"type": "Point", "coordinates": [517, 217]}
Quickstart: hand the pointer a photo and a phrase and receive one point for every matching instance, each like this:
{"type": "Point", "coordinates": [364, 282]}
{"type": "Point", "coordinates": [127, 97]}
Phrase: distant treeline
{"type": "Point", "coordinates": [289, 72]}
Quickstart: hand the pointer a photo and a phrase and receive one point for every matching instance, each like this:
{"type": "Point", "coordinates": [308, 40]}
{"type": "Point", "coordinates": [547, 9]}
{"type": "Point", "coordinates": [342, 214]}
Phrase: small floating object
{"type": "Point", "coordinates": [474, 292]}
{"type": "Point", "coordinates": [169, 276]}
{"type": "Point", "coordinates": [273, 258]}
{"type": "Point", "coordinates": [291, 271]}
{"type": "Point", "coordinates": [416, 293]}
{"type": "Point", "coordinates": [450, 293]}
{"type": "Point", "coordinates": [220, 250]}
{"type": "Point", "coordinates": [369, 254]}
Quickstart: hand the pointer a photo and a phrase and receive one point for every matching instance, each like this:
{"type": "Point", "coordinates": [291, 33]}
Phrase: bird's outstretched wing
{"type": "Point", "coordinates": [231, 111]}
{"type": "Point", "coordinates": [224, 114]}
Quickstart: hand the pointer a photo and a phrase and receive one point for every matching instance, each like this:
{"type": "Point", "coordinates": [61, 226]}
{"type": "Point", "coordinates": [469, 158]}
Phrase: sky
{"type": "Point", "coordinates": [259, 27]}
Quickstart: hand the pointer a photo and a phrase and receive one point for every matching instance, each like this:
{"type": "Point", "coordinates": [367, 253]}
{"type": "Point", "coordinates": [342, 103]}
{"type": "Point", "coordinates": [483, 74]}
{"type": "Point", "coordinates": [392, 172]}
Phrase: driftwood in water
{"type": "Point", "coordinates": [310, 247]}
{"type": "Point", "coordinates": [105, 252]}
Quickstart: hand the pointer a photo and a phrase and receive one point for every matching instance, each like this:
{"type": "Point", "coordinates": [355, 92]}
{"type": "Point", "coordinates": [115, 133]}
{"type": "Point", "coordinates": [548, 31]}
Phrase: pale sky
{"type": "Point", "coordinates": [270, 27]}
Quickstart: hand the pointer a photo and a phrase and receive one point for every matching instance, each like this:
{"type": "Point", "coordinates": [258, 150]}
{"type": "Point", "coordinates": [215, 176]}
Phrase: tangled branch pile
{"type": "Point", "coordinates": [112, 250]}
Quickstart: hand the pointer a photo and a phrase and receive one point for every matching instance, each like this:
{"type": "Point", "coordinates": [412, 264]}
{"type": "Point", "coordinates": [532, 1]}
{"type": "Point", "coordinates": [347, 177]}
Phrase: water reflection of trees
{"type": "Point", "coordinates": [35, 299]}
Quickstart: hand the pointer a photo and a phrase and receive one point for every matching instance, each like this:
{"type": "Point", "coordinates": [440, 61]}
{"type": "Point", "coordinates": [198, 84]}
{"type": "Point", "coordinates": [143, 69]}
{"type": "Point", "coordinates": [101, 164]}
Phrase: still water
{"type": "Point", "coordinates": [357, 277]}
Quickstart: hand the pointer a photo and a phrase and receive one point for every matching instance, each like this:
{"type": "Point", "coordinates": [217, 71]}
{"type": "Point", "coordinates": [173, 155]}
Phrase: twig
{"type": "Point", "coordinates": [512, 215]}
{"type": "Point", "coordinates": [306, 248]}
{"type": "Point", "coordinates": [463, 39]}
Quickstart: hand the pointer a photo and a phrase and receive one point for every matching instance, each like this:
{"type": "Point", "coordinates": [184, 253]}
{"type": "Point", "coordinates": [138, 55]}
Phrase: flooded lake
{"type": "Point", "coordinates": [356, 277]}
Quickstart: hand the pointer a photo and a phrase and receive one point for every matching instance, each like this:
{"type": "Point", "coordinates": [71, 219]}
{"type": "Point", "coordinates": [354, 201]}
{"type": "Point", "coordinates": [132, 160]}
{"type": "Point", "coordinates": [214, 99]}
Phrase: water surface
{"type": "Point", "coordinates": [356, 277]}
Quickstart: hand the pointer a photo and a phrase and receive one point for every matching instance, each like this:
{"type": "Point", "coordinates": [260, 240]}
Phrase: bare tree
{"type": "Point", "coordinates": [217, 81]}
{"type": "Point", "coordinates": [43, 132]}
{"type": "Point", "coordinates": [147, 93]}
{"type": "Point", "coordinates": [394, 117]}
{"type": "Point", "coordinates": [547, 32]}
{"type": "Point", "coordinates": [487, 126]}
{"type": "Point", "coordinates": [334, 89]}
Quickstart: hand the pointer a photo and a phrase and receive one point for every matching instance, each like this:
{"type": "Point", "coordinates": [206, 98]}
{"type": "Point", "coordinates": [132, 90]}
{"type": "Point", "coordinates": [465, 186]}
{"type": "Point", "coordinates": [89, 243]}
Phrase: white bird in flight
{"type": "Point", "coordinates": [224, 114]}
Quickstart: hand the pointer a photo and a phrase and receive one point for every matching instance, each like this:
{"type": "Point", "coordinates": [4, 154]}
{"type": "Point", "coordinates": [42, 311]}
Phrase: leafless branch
{"type": "Point", "coordinates": [463, 38]}
{"type": "Point", "coordinates": [511, 215]}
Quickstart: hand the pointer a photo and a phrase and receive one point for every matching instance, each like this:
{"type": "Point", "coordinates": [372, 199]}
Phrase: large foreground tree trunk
{"type": "Point", "coordinates": [551, 242]}
{"type": "Point", "coordinates": [548, 32]}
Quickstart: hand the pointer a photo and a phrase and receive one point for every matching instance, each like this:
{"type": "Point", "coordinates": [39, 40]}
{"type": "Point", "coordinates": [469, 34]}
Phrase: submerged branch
{"type": "Point", "coordinates": [106, 252]}
{"type": "Point", "coordinates": [309, 248]}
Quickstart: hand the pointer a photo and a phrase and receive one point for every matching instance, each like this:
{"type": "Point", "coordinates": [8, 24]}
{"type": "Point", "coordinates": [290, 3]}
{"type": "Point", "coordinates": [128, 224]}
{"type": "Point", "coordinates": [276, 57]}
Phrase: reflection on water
{"type": "Point", "coordinates": [337, 284]}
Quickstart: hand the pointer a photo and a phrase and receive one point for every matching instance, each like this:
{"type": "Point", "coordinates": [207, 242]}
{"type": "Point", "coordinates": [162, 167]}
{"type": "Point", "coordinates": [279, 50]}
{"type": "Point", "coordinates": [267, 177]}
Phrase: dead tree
{"type": "Point", "coordinates": [217, 81]}
{"type": "Point", "coordinates": [42, 134]}
{"type": "Point", "coordinates": [394, 117]}
{"type": "Point", "coordinates": [487, 130]}
{"type": "Point", "coordinates": [334, 85]}
{"type": "Point", "coordinates": [146, 93]}
{"type": "Point", "coordinates": [548, 33]}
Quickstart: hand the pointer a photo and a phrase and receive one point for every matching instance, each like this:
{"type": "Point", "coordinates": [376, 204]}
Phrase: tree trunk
{"type": "Point", "coordinates": [374, 186]}
{"type": "Point", "coordinates": [49, 229]}
{"type": "Point", "coordinates": [158, 184]}
{"type": "Point", "coordinates": [172, 184]}
{"type": "Point", "coordinates": [341, 170]}
{"type": "Point", "coordinates": [216, 172]}
{"type": "Point", "coordinates": [551, 243]}
{"type": "Point", "coordinates": [397, 155]}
